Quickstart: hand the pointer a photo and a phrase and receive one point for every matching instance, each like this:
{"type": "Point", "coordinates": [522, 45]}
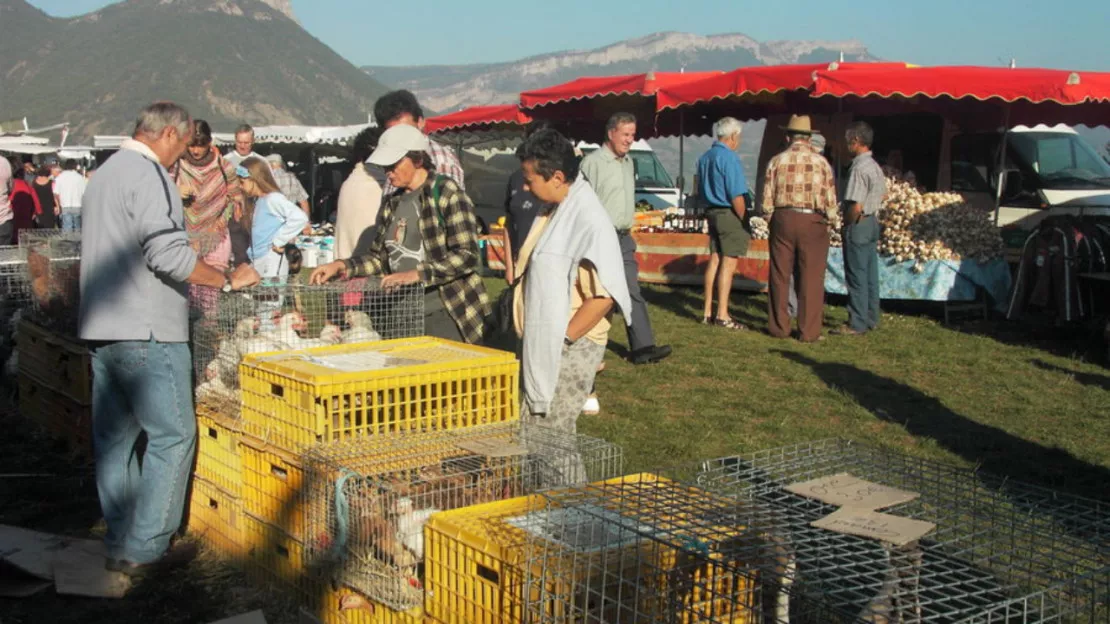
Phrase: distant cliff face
{"type": "Point", "coordinates": [451, 87]}
{"type": "Point", "coordinates": [228, 61]}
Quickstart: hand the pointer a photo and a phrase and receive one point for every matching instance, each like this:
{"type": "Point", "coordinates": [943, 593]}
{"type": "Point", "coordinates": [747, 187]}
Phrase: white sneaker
{"type": "Point", "coordinates": [592, 407]}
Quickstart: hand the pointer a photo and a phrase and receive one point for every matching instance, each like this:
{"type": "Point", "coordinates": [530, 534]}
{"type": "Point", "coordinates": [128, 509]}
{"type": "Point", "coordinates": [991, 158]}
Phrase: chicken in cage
{"type": "Point", "coordinates": [368, 500]}
{"type": "Point", "coordinates": [53, 273]}
{"type": "Point", "coordinates": [292, 316]}
{"type": "Point", "coordinates": [1001, 551]}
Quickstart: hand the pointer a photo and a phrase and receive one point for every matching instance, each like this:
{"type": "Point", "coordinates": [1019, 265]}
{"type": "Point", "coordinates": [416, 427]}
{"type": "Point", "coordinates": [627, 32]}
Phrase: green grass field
{"type": "Point", "coordinates": [1006, 398]}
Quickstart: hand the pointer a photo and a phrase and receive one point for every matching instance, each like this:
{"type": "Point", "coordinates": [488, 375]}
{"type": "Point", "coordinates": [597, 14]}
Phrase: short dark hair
{"type": "Point", "coordinates": [28, 159]}
{"type": "Point", "coordinates": [44, 171]}
{"type": "Point", "coordinates": [244, 128]}
{"type": "Point", "coordinates": [862, 132]}
{"type": "Point", "coordinates": [549, 152]}
{"type": "Point", "coordinates": [422, 159]}
{"type": "Point", "coordinates": [70, 164]}
{"type": "Point", "coordinates": [536, 126]}
{"type": "Point", "coordinates": [202, 133]}
{"type": "Point", "coordinates": [364, 144]}
{"type": "Point", "coordinates": [619, 119]}
{"type": "Point", "coordinates": [394, 104]}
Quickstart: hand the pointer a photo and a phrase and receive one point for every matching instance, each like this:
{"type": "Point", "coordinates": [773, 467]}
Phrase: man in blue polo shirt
{"type": "Point", "coordinates": [722, 187]}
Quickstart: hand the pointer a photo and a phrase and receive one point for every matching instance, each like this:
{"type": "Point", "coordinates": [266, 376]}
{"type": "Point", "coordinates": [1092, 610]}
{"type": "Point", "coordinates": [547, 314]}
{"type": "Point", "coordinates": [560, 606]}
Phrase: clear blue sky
{"type": "Point", "coordinates": [1070, 34]}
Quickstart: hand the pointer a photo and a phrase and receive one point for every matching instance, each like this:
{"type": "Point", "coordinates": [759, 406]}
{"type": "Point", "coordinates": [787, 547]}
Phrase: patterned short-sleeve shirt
{"type": "Point", "coordinates": [799, 178]}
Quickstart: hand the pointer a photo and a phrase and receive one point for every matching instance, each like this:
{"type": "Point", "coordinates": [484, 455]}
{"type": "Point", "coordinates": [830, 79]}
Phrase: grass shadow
{"type": "Point", "coordinates": [1087, 379]}
{"type": "Point", "coordinates": [989, 448]}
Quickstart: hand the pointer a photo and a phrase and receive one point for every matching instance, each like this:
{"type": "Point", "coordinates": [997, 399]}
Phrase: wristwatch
{"type": "Point", "coordinates": [567, 341]}
{"type": "Point", "coordinates": [227, 285]}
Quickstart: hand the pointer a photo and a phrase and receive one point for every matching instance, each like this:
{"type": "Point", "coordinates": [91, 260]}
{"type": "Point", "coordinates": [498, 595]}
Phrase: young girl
{"type": "Point", "coordinates": [273, 222]}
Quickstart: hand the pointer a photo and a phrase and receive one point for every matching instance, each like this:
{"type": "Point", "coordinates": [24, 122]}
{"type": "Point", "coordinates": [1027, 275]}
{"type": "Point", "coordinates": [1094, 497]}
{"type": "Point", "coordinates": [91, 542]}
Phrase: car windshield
{"type": "Point", "coordinates": [1061, 160]}
{"type": "Point", "coordinates": [649, 171]}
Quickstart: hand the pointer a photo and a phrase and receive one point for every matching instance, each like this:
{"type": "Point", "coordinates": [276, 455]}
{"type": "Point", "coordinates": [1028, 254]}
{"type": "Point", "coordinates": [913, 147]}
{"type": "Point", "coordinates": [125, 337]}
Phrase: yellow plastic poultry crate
{"type": "Point", "coordinates": [481, 564]}
{"type": "Point", "coordinates": [216, 517]}
{"type": "Point", "coordinates": [275, 557]}
{"type": "Point", "coordinates": [346, 606]}
{"type": "Point", "coordinates": [60, 363]}
{"type": "Point", "coordinates": [218, 454]}
{"type": "Point", "coordinates": [62, 417]}
{"type": "Point", "coordinates": [273, 486]}
{"type": "Point", "coordinates": [296, 399]}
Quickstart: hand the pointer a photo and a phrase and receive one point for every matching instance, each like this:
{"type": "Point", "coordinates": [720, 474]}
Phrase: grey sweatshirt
{"type": "Point", "coordinates": [135, 256]}
{"type": "Point", "coordinates": [579, 230]}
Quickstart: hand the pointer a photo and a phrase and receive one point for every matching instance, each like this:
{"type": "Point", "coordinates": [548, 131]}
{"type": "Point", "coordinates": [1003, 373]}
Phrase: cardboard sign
{"type": "Point", "coordinates": [81, 573]}
{"type": "Point", "coordinates": [492, 448]}
{"type": "Point", "coordinates": [254, 617]}
{"type": "Point", "coordinates": [845, 490]}
{"type": "Point", "coordinates": [875, 525]}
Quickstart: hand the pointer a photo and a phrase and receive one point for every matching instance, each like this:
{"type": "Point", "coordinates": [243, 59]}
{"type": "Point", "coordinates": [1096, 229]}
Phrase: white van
{"type": "Point", "coordinates": [654, 185]}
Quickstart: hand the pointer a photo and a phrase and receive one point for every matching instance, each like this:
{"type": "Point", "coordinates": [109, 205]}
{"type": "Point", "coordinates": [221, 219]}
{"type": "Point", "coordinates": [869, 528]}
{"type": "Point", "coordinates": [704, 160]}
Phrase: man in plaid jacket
{"type": "Point", "coordinates": [426, 233]}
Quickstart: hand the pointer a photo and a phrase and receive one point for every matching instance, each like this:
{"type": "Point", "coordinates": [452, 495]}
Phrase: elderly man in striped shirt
{"type": "Point", "coordinates": [799, 196]}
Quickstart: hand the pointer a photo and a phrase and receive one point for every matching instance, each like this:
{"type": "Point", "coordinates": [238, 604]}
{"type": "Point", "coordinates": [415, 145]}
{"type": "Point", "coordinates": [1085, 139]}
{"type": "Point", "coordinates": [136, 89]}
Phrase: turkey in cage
{"type": "Point", "coordinates": [291, 316]}
{"type": "Point", "coordinates": [54, 274]}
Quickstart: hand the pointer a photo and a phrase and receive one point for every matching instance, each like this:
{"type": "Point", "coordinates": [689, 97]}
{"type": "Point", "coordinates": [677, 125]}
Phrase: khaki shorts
{"type": "Point", "coordinates": [727, 235]}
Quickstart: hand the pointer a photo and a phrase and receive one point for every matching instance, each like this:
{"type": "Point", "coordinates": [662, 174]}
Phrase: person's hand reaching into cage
{"type": "Point", "coordinates": [327, 272]}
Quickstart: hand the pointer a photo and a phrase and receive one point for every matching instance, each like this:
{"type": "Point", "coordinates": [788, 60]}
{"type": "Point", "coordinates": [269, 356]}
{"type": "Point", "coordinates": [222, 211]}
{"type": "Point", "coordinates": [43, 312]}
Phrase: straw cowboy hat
{"type": "Point", "coordinates": [799, 124]}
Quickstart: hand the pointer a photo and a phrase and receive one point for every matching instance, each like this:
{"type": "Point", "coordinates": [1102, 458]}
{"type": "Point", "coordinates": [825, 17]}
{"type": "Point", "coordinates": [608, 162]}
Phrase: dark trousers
{"type": "Point", "coordinates": [799, 245]}
{"type": "Point", "coordinates": [861, 271]}
{"type": "Point", "coordinates": [639, 333]}
{"type": "Point", "coordinates": [7, 229]}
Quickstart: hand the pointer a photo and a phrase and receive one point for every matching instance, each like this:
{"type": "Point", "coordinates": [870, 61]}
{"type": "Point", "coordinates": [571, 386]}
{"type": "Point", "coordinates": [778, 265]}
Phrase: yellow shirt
{"type": "Point", "coordinates": [586, 286]}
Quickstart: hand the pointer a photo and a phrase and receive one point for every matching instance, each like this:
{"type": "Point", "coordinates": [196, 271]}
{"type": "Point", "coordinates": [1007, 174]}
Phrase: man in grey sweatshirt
{"type": "Point", "coordinates": [135, 267]}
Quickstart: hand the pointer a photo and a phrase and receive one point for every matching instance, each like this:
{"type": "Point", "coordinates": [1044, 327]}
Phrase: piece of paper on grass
{"type": "Point", "coordinates": [844, 490]}
{"type": "Point", "coordinates": [876, 525]}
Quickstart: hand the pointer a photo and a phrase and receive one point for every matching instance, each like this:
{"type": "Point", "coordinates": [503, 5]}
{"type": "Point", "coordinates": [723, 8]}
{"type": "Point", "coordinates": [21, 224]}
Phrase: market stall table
{"type": "Point", "coordinates": [947, 281]}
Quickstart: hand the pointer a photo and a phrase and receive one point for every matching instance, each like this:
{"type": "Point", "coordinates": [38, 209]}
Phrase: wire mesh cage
{"type": "Point", "coordinates": [15, 297]}
{"type": "Point", "coordinates": [53, 260]}
{"type": "Point", "coordinates": [368, 500]}
{"type": "Point", "coordinates": [1001, 551]}
{"type": "Point", "coordinates": [639, 549]}
{"type": "Point", "coordinates": [290, 316]}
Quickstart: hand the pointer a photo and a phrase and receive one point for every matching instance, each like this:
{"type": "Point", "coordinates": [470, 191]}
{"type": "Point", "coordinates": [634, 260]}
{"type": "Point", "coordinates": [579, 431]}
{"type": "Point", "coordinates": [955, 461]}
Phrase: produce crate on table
{"type": "Point", "coordinates": [640, 549]}
{"type": "Point", "coordinates": [296, 399]}
{"type": "Point", "coordinates": [1001, 551]}
{"type": "Point", "coordinates": [64, 418]}
{"type": "Point", "coordinates": [216, 517]}
{"type": "Point", "coordinates": [368, 499]}
{"type": "Point", "coordinates": [59, 363]}
{"type": "Point", "coordinates": [292, 316]}
{"type": "Point", "coordinates": [54, 274]}
{"type": "Point", "coordinates": [219, 458]}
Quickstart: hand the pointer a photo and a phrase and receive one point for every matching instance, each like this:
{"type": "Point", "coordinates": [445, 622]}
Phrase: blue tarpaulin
{"type": "Point", "coordinates": [940, 280]}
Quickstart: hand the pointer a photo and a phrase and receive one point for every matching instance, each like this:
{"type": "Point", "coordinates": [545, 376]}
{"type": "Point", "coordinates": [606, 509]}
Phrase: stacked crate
{"type": "Point", "coordinates": [346, 406]}
{"type": "Point", "coordinates": [55, 384]}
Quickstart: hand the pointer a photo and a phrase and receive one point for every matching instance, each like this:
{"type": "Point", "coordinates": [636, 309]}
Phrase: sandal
{"type": "Point", "coordinates": [728, 324]}
{"type": "Point", "coordinates": [708, 320]}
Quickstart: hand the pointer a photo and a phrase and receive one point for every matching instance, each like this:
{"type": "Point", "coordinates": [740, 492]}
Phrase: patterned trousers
{"type": "Point", "coordinates": [576, 378]}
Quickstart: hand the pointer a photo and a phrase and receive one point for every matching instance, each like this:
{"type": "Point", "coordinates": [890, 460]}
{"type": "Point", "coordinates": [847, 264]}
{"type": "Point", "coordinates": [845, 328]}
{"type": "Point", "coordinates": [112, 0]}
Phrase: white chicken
{"type": "Point", "coordinates": [214, 390]}
{"type": "Point", "coordinates": [360, 328]}
{"type": "Point", "coordinates": [231, 350]}
{"type": "Point", "coordinates": [289, 324]}
{"type": "Point", "coordinates": [329, 335]}
{"type": "Point", "coordinates": [410, 525]}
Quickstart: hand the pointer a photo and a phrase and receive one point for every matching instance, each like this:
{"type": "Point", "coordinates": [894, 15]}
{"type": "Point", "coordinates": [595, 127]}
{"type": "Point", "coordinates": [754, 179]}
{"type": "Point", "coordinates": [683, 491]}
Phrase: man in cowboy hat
{"type": "Point", "coordinates": [799, 196]}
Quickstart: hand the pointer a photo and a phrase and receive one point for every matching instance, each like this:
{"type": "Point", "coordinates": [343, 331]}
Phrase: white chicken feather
{"type": "Point", "coordinates": [410, 526]}
{"type": "Point", "coordinates": [361, 329]}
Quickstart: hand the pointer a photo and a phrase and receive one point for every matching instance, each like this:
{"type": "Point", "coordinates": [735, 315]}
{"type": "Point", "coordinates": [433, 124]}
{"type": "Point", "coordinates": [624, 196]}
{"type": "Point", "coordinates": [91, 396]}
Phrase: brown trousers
{"type": "Point", "coordinates": [799, 246]}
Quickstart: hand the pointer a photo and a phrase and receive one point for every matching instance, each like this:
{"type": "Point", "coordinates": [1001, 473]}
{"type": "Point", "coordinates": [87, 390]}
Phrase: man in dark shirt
{"type": "Point", "coordinates": [521, 207]}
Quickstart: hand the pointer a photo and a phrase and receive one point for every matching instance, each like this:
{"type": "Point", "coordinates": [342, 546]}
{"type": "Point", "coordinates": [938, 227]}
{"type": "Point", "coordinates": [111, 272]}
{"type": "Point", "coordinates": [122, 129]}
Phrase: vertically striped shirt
{"type": "Point", "coordinates": [866, 184]}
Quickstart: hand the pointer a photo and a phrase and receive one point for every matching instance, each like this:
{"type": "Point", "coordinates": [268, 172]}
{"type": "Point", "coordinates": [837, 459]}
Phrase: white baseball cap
{"type": "Point", "coordinates": [396, 142]}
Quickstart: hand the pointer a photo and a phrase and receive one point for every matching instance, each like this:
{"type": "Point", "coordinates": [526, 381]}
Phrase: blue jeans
{"type": "Point", "coordinates": [142, 387]}
{"type": "Point", "coordinates": [71, 221]}
{"type": "Point", "coordinates": [861, 272]}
